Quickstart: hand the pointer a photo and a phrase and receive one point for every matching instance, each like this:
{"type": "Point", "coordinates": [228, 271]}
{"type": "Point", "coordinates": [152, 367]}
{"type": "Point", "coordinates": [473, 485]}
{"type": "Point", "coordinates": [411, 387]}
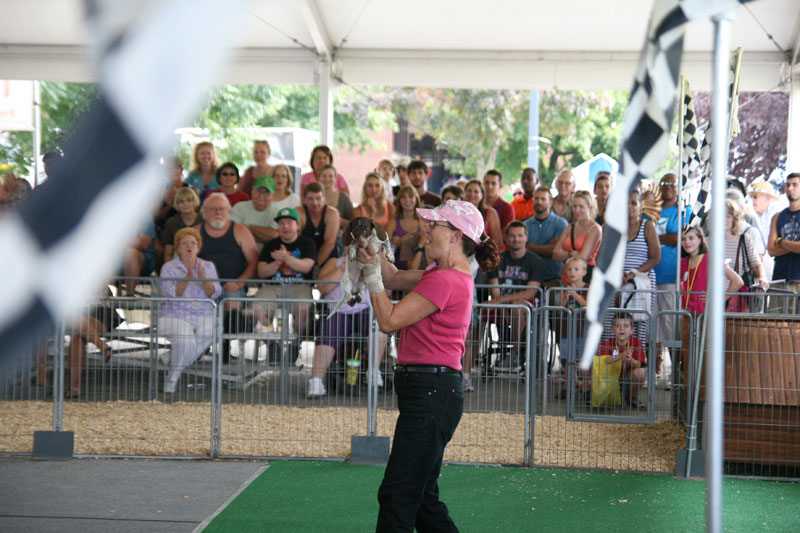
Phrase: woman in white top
{"type": "Point", "coordinates": [283, 195]}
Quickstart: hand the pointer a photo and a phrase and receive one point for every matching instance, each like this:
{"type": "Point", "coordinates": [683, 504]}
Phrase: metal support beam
{"type": "Point", "coordinates": [793, 137]}
{"type": "Point", "coordinates": [715, 364]}
{"type": "Point", "coordinates": [315, 22]}
{"type": "Point", "coordinates": [325, 104]}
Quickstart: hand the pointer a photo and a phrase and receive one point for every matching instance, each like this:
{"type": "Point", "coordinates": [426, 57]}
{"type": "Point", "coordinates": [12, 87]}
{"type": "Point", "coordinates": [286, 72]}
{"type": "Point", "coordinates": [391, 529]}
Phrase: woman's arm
{"type": "Point", "coordinates": [410, 310]}
{"type": "Point", "coordinates": [495, 232]}
{"type": "Point", "coordinates": [329, 272]}
{"type": "Point", "coordinates": [653, 247]}
{"type": "Point", "coordinates": [559, 253]}
{"type": "Point", "coordinates": [735, 280]}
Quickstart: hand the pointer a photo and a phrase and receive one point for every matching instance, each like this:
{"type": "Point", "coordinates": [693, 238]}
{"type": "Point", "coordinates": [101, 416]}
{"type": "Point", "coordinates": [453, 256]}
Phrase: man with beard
{"type": "Point", "coordinates": [257, 214]}
{"type": "Point", "coordinates": [784, 237]}
{"type": "Point", "coordinates": [544, 230]}
{"type": "Point", "coordinates": [232, 249]}
{"type": "Point", "coordinates": [523, 204]}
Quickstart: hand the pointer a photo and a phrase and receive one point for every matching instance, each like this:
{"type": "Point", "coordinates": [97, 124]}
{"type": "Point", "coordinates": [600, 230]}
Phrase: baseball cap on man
{"type": "Point", "coordinates": [287, 212]}
{"type": "Point", "coordinates": [462, 215]}
{"type": "Point", "coordinates": [266, 182]}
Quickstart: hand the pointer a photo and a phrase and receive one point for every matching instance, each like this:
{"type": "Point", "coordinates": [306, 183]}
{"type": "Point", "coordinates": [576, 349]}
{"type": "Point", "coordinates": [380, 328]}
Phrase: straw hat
{"type": "Point", "coordinates": [762, 187]}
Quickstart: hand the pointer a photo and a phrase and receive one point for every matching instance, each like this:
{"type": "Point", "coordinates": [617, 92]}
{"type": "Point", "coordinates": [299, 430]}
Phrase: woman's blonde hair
{"type": "Point", "coordinates": [404, 190]}
{"type": "Point", "coordinates": [183, 232]}
{"type": "Point", "coordinates": [380, 201]}
{"type": "Point", "coordinates": [289, 182]}
{"type": "Point", "coordinates": [184, 193]}
{"type": "Point", "coordinates": [587, 197]}
{"type": "Point", "coordinates": [196, 163]}
{"type": "Point", "coordinates": [737, 216]}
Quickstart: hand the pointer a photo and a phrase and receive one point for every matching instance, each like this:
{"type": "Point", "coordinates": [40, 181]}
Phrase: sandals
{"type": "Point", "coordinates": [72, 393]}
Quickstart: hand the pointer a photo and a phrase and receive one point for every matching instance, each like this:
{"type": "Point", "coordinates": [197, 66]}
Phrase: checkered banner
{"type": "Point", "coordinates": [690, 152]}
{"type": "Point", "coordinates": [703, 201]}
{"type": "Point", "coordinates": [645, 140]}
{"type": "Point", "coordinates": [70, 235]}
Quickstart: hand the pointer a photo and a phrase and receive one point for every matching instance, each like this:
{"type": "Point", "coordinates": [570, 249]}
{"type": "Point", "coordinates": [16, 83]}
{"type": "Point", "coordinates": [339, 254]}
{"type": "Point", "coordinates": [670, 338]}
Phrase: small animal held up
{"type": "Point", "coordinates": [361, 232]}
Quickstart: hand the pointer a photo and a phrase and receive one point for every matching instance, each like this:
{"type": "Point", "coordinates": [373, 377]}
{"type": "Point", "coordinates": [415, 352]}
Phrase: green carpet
{"type": "Point", "coordinates": [318, 496]}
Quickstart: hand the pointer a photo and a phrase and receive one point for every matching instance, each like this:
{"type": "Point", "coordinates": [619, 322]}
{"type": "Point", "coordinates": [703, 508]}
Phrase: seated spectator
{"type": "Point", "coordinates": [473, 193]}
{"type": "Point", "coordinates": [523, 203]}
{"type": "Point", "coordinates": [261, 153]}
{"type": "Point", "coordinates": [374, 203]}
{"type": "Point", "coordinates": [321, 224]}
{"type": "Point", "coordinates": [404, 228]}
{"type": "Point", "coordinates": [167, 209]}
{"type": "Point", "coordinates": [188, 325]}
{"type": "Point", "coordinates": [140, 257]}
{"type": "Point", "coordinates": [290, 256]}
{"type": "Point", "coordinates": [228, 177]}
{"type": "Point", "coordinates": [334, 198]}
{"type": "Point", "coordinates": [203, 176]}
{"type": "Point", "coordinates": [582, 237]}
{"type": "Point", "coordinates": [347, 322]}
{"type": "Point", "coordinates": [573, 299]}
{"type": "Point", "coordinates": [320, 156]}
{"type": "Point", "coordinates": [694, 271]}
{"type": "Point", "coordinates": [186, 203]}
{"type": "Point", "coordinates": [625, 364]}
{"type": "Point", "coordinates": [518, 268]}
{"type": "Point", "coordinates": [259, 213]}
{"type": "Point", "coordinates": [283, 195]}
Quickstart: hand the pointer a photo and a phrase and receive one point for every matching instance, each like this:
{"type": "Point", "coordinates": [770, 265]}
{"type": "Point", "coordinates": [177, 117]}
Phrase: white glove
{"type": "Point", "coordinates": [372, 277]}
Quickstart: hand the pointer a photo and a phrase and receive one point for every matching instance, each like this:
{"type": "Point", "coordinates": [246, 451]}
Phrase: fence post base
{"type": "Point", "coordinates": [698, 463]}
{"type": "Point", "coordinates": [369, 450]}
{"type": "Point", "coordinates": [53, 445]}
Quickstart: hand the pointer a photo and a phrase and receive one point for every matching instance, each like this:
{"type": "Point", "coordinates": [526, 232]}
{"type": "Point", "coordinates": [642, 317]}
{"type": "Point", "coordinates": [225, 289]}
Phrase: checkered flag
{"type": "Point", "coordinates": [690, 153]}
{"type": "Point", "coordinates": [645, 140]}
{"type": "Point", "coordinates": [71, 233]}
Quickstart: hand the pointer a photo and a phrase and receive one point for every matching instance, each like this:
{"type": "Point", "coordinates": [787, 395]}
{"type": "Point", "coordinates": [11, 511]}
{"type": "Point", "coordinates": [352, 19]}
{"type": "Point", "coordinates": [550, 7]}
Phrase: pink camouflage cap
{"type": "Point", "coordinates": [460, 214]}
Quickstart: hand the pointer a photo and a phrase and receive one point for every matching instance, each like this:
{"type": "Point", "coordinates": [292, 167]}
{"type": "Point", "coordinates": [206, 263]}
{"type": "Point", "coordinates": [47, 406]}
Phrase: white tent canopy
{"type": "Point", "coordinates": [524, 44]}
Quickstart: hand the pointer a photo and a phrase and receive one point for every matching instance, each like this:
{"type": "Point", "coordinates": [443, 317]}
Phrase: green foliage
{"type": "Point", "coordinates": [61, 105]}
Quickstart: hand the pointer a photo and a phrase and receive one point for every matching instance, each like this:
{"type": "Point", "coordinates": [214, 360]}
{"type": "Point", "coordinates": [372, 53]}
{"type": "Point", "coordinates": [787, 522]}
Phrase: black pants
{"type": "Point", "coordinates": [430, 408]}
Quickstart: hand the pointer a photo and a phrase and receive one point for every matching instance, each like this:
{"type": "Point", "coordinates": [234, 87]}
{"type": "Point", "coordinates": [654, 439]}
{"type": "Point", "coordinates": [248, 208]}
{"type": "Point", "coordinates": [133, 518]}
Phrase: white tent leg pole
{"type": "Point", "coordinates": [325, 104]}
{"type": "Point", "coordinates": [715, 364]}
{"type": "Point", "coordinates": [793, 140]}
{"type": "Point", "coordinates": [37, 131]}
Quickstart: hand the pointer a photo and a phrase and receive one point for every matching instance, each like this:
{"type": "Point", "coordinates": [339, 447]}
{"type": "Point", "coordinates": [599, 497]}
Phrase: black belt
{"type": "Point", "coordinates": [426, 369]}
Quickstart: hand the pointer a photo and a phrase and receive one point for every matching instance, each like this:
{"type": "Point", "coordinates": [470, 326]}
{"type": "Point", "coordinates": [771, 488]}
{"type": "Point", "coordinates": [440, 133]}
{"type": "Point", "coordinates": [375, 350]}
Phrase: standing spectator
{"type": "Point", "coordinates": [642, 253]}
{"type": "Point", "coordinates": [321, 224]}
{"type": "Point", "coordinates": [228, 177]}
{"type": "Point", "coordinates": [784, 237]}
{"type": "Point", "coordinates": [338, 199]}
{"type": "Point", "coordinates": [743, 244]}
{"type": "Point", "coordinates": [474, 194]}
{"type": "Point", "coordinates": [187, 325]}
{"type": "Point", "coordinates": [405, 228]}
{"type": "Point", "coordinates": [602, 190]}
{"type": "Point", "coordinates": [562, 203]}
{"type": "Point", "coordinates": [374, 201]}
{"type": "Point", "coordinates": [320, 156]}
{"type": "Point", "coordinates": [202, 175]}
{"type": "Point", "coordinates": [261, 153]}
{"type": "Point", "coordinates": [259, 213]}
{"type": "Point", "coordinates": [186, 203]}
{"type": "Point", "coordinates": [523, 204]}
{"type": "Point", "coordinates": [766, 206]}
{"type": "Point", "coordinates": [544, 230]}
{"type": "Point", "coordinates": [582, 237]}
{"type": "Point", "coordinates": [417, 176]}
{"type": "Point", "coordinates": [694, 271]}
{"type": "Point", "coordinates": [386, 171]}
{"type": "Point", "coordinates": [283, 195]}
{"type": "Point", "coordinates": [666, 269]}
{"type": "Point", "coordinates": [290, 256]}
{"type": "Point", "coordinates": [51, 160]}
{"type": "Point", "coordinates": [492, 183]}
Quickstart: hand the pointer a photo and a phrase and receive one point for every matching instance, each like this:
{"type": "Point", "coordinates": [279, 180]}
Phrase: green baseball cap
{"type": "Point", "coordinates": [266, 182]}
{"type": "Point", "coordinates": [287, 212]}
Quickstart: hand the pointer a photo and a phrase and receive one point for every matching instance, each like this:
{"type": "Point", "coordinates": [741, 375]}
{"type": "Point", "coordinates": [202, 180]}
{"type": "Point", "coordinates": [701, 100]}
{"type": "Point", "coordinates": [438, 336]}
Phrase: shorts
{"type": "Point", "coordinates": [564, 348]}
{"type": "Point", "coordinates": [341, 327]}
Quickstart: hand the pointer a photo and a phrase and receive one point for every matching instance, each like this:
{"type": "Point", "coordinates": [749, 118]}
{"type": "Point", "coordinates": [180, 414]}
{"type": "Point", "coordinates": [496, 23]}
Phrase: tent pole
{"type": "Point", "coordinates": [37, 130]}
{"type": "Point", "coordinates": [716, 300]}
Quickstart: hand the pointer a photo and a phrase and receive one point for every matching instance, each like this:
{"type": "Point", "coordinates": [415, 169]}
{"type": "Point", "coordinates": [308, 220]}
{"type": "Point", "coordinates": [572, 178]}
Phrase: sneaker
{"type": "Point", "coordinates": [468, 387]}
{"type": "Point", "coordinates": [374, 376]}
{"type": "Point", "coordinates": [315, 388]}
{"type": "Point", "coordinates": [169, 388]}
{"type": "Point", "coordinates": [637, 405]}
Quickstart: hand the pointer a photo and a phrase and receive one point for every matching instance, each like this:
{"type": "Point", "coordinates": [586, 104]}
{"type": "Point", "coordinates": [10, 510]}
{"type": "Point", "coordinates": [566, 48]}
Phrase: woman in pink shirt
{"type": "Point", "coordinates": [434, 318]}
{"type": "Point", "coordinates": [320, 156]}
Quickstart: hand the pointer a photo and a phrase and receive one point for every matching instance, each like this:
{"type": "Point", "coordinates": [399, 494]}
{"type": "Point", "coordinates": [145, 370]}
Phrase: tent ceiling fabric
{"type": "Point", "coordinates": [523, 44]}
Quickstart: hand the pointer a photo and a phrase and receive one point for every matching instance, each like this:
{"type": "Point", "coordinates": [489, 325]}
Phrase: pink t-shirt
{"type": "Point", "coordinates": [438, 339]}
{"type": "Point", "coordinates": [341, 183]}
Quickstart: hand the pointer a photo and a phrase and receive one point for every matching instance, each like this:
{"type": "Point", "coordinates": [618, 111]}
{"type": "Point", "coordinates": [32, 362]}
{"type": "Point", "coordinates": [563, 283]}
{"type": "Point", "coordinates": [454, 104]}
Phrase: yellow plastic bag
{"type": "Point", "coordinates": [605, 381]}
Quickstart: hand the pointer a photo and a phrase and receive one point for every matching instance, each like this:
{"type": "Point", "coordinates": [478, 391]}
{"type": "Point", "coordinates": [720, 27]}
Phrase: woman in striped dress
{"type": "Point", "coordinates": [642, 254]}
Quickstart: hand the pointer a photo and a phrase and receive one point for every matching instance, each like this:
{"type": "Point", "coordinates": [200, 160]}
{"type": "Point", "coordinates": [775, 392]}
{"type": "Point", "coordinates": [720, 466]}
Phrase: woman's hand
{"type": "Point", "coordinates": [200, 269]}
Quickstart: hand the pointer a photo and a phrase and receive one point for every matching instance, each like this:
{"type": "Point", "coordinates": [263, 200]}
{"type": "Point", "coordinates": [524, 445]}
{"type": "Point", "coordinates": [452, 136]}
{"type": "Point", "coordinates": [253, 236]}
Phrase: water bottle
{"type": "Point", "coordinates": [277, 321]}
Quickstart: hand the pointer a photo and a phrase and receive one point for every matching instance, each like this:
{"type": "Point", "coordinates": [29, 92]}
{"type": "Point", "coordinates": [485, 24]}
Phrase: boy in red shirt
{"type": "Point", "coordinates": [625, 352]}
